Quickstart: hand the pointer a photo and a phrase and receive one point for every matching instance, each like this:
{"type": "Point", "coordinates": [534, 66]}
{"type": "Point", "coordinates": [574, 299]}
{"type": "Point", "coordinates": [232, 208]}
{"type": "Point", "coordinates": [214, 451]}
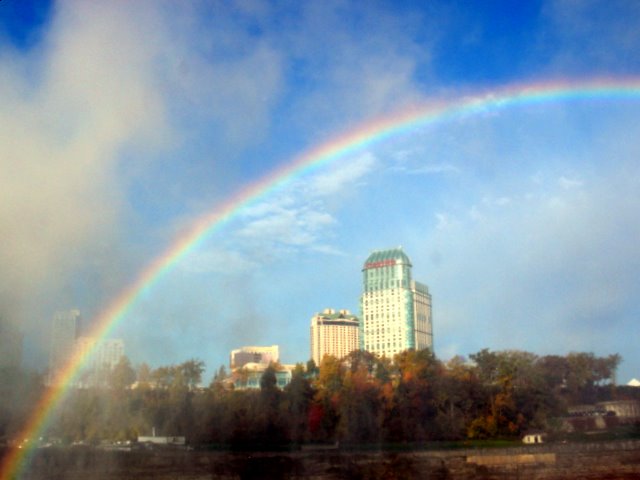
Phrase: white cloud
{"type": "Point", "coordinates": [429, 169]}
{"type": "Point", "coordinates": [344, 175]}
{"type": "Point", "coordinates": [568, 183]}
{"type": "Point", "coordinates": [294, 227]}
{"type": "Point", "coordinates": [300, 214]}
{"type": "Point", "coordinates": [329, 250]}
{"type": "Point", "coordinates": [275, 204]}
{"type": "Point", "coordinates": [91, 92]}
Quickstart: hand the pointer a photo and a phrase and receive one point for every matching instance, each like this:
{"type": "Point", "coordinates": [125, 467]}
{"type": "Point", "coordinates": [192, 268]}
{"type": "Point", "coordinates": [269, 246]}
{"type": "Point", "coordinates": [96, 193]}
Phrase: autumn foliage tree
{"type": "Point", "coordinates": [359, 399]}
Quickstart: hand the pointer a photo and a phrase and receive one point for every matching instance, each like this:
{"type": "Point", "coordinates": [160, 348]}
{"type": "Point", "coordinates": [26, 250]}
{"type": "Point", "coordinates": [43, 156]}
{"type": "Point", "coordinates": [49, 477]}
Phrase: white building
{"type": "Point", "coordinates": [253, 354]}
{"type": "Point", "coordinates": [396, 310]}
{"type": "Point", "coordinates": [99, 357]}
{"type": "Point", "coordinates": [100, 353]}
{"type": "Point", "coordinates": [248, 376]}
{"type": "Point", "coordinates": [333, 333]}
{"type": "Point", "coordinates": [249, 363]}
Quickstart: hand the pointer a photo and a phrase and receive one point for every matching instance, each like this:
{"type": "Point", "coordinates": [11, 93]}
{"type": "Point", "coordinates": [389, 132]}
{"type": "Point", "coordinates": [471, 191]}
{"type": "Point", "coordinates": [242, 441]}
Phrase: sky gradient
{"type": "Point", "coordinates": [125, 123]}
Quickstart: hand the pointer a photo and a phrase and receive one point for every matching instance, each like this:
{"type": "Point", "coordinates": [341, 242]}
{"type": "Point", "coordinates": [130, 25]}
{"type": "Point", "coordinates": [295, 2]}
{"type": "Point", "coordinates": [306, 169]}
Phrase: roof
{"type": "Point", "coordinates": [340, 315]}
{"type": "Point", "coordinates": [386, 257]}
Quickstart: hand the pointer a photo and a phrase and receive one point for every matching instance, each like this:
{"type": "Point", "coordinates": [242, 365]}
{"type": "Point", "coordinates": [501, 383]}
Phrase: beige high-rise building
{"type": "Point", "coordinates": [333, 333]}
{"type": "Point", "coordinates": [396, 310]}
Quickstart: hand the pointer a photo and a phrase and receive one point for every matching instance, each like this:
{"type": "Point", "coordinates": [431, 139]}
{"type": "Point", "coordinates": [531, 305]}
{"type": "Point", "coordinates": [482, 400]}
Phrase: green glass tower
{"type": "Point", "coordinates": [396, 310]}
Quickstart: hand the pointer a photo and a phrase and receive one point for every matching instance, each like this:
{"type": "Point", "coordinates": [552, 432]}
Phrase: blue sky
{"type": "Point", "coordinates": [123, 122]}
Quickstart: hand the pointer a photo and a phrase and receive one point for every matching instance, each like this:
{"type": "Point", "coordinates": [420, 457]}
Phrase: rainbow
{"type": "Point", "coordinates": [366, 135]}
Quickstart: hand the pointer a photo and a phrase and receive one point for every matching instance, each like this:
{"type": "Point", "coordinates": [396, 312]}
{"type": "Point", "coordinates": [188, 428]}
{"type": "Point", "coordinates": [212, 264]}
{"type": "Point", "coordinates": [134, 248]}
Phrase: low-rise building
{"type": "Point", "coordinates": [534, 437]}
{"type": "Point", "coordinates": [626, 411]}
{"type": "Point", "coordinates": [248, 376]}
{"type": "Point", "coordinates": [254, 354]}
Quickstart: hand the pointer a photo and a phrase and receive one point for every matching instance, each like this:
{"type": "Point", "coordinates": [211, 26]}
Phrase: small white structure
{"type": "Point", "coordinates": [634, 382]}
{"type": "Point", "coordinates": [532, 438]}
{"type": "Point", "coordinates": [162, 440]}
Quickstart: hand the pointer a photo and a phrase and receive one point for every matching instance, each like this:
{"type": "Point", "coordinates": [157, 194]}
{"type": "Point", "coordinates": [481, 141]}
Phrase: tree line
{"type": "Point", "coordinates": [360, 399]}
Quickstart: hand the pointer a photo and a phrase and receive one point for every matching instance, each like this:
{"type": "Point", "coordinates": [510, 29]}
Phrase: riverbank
{"type": "Point", "coordinates": [590, 461]}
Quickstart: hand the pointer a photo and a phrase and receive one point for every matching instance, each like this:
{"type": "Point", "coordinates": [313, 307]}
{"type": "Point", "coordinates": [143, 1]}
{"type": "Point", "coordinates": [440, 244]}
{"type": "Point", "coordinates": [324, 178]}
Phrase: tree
{"type": "Point", "coordinates": [323, 413]}
{"type": "Point", "coordinates": [312, 369]}
{"type": "Point", "coordinates": [270, 415]}
{"type": "Point", "coordinates": [299, 395]}
{"type": "Point", "coordinates": [190, 373]}
{"type": "Point", "coordinates": [220, 375]}
{"type": "Point", "coordinates": [586, 372]}
{"type": "Point", "coordinates": [330, 375]}
{"type": "Point", "coordinates": [460, 398]}
{"type": "Point", "coordinates": [361, 359]}
{"type": "Point", "coordinates": [415, 400]}
{"type": "Point", "coordinates": [122, 375]}
{"type": "Point", "coordinates": [217, 383]}
{"type": "Point", "coordinates": [163, 377]}
{"type": "Point", "coordinates": [360, 406]}
{"type": "Point", "coordinates": [512, 383]}
{"type": "Point", "coordinates": [268, 381]}
{"type": "Point", "coordinates": [144, 375]}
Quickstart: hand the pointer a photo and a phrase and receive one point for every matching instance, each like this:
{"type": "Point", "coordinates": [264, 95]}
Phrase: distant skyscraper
{"type": "Point", "coordinates": [65, 329]}
{"type": "Point", "coordinates": [333, 334]}
{"type": "Point", "coordinates": [396, 310]}
{"type": "Point", "coordinates": [243, 355]}
{"type": "Point", "coordinates": [10, 344]}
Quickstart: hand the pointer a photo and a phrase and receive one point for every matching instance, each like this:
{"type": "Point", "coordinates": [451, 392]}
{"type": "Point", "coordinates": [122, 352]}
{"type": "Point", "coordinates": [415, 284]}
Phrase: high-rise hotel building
{"type": "Point", "coordinates": [396, 310]}
{"type": "Point", "coordinates": [333, 333]}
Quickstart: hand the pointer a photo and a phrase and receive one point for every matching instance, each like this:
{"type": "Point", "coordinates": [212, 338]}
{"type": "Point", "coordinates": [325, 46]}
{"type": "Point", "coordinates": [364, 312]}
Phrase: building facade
{"type": "Point", "coordinates": [10, 344]}
{"type": "Point", "coordinates": [249, 376]}
{"type": "Point", "coordinates": [65, 330]}
{"type": "Point", "coordinates": [396, 310]}
{"type": "Point", "coordinates": [99, 356]}
{"type": "Point", "coordinates": [252, 354]}
{"type": "Point", "coordinates": [334, 333]}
